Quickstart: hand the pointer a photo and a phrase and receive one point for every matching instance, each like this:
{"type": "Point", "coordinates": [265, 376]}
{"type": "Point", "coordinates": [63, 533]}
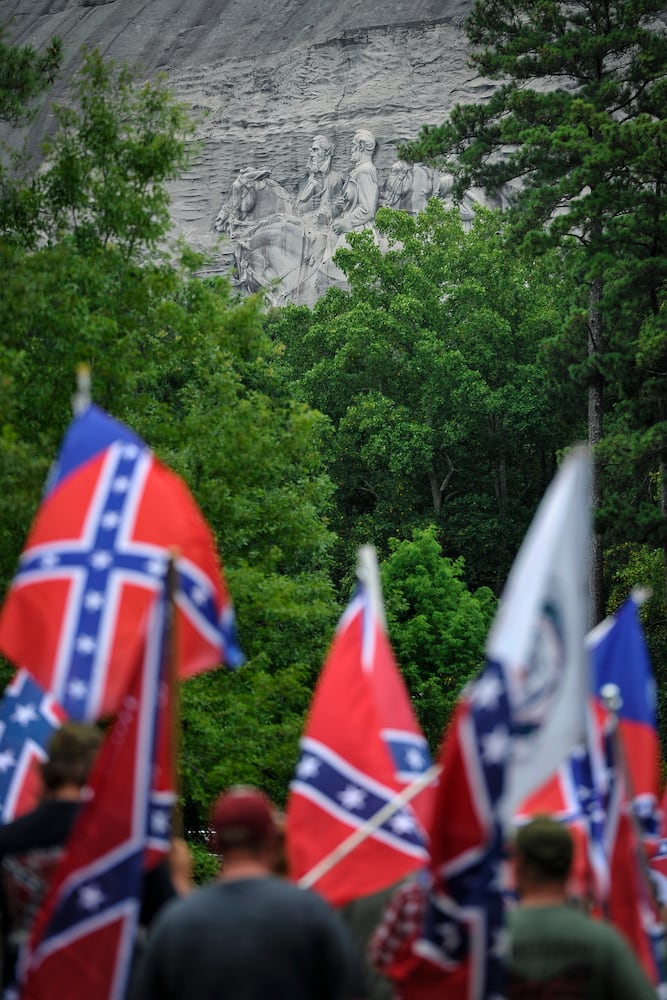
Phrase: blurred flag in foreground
{"type": "Point", "coordinates": [578, 793]}
{"type": "Point", "coordinates": [362, 746]}
{"type": "Point", "coordinates": [620, 656]}
{"type": "Point", "coordinates": [28, 719]}
{"type": "Point", "coordinates": [94, 559]}
{"type": "Point", "coordinates": [512, 728]}
{"type": "Point", "coordinates": [84, 935]}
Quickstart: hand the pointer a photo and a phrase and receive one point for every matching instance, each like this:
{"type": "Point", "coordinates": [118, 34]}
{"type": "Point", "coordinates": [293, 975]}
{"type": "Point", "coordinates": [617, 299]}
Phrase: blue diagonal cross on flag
{"type": "Point", "coordinates": [28, 719]}
{"type": "Point", "coordinates": [111, 518]}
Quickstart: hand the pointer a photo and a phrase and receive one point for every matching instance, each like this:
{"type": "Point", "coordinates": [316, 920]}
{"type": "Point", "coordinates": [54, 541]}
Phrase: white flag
{"type": "Point", "coordinates": [538, 635]}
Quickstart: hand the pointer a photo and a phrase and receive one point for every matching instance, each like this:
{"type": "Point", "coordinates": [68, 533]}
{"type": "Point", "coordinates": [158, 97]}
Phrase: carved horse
{"type": "Point", "coordinates": [280, 256]}
{"type": "Point", "coordinates": [409, 186]}
{"type": "Point", "coordinates": [254, 195]}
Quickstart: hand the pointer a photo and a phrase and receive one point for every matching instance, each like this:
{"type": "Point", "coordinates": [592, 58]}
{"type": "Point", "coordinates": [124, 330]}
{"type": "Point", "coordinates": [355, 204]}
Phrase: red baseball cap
{"type": "Point", "coordinates": [244, 811]}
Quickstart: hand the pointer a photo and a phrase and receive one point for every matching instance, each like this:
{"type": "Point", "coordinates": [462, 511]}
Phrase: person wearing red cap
{"type": "Point", "coordinates": [249, 934]}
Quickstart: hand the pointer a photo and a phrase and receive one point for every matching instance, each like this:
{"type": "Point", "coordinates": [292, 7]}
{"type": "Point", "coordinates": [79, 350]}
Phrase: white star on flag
{"type": "Point", "coordinates": [24, 714]}
{"type": "Point", "coordinates": [155, 567]}
{"type": "Point", "coordinates": [120, 484]}
{"type": "Point", "coordinates": [198, 595]}
{"type": "Point", "coordinates": [402, 823]}
{"type": "Point", "coordinates": [414, 759]}
{"type": "Point", "coordinates": [101, 560]}
{"type": "Point", "coordinates": [86, 644]}
{"type": "Point", "coordinates": [49, 559]}
{"type": "Point", "coordinates": [7, 760]}
{"type": "Point", "coordinates": [496, 745]}
{"type": "Point", "coordinates": [500, 943]}
{"type": "Point", "coordinates": [93, 600]}
{"type": "Point", "coordinates": [449, 935]}
{"type": "Point", "coordinates": [352, 797]}
{"type": "Point", "coordinates": [129, 451]}
{"type": "Point", "coordinates": [91, 897]}
{"type": "Point", "coordinates": [308, 767]}
{"type": "Point", "coordinates": [486, 691]}
{"type": "Point", "coordinates": [110, 519]}
{"type": "Point", "coordinates": [77, 688]}
{"type": "Point", "coordinates": [159, 821]}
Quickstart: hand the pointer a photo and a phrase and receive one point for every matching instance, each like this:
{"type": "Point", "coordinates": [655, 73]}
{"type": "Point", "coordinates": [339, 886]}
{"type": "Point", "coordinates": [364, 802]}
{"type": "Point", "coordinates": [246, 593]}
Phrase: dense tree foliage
{"type": "Point", "coordinates": [437, 626]}
{"type": "Point", "coordinates": [423, 409]}
{"type": "Point", "coordinates": [189, 367]}
{"type": "Point", "coordinates": [25, 74]}
{"type": "Point", "coordinates": [430, 370]}
{"type": "Point", "coordinates": [577, 124]}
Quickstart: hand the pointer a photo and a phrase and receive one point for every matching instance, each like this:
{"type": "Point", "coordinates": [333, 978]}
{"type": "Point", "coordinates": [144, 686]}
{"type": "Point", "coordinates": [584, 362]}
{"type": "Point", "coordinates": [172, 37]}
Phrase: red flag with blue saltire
{"type": "Point", "coordinates": [28, 719]}
{"type": "Point", "coordinates": [93, 562]}
{"type": "Point", "coordinates": [83, 940]}
{"type": "Point", "coordinates": [593, 791]}
{"type": "Point", "coordinates": [620, 656]}
{"type": "Point", "coordinates": [361, 747]}
{"type": "Point", "coordinates": [630, 903]}
{"type": "Point", "coordinates": [512, 728]}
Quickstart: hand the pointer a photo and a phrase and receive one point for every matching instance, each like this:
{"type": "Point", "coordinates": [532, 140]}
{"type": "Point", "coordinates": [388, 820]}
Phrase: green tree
{"type": "Point", "coordinates": [25, 75]}
{"type": "Point", "coordinates": [430, 370]}
{"type": "Point", "coordinates": [580, 103]}
{"type": "Point", "coordinates": [116, 145]}
{"type": "Point", "coordinates": [437, 627]}
{"type": "Point", "coordinates": [188, 365]}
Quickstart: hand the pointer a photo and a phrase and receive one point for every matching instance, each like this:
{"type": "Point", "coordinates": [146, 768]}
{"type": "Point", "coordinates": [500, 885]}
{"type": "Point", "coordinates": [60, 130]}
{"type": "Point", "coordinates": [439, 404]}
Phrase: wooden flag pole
{"type": "Point", "coordinates": [369, 827]}
{"type": "Point", "coordinates": [171, 645]}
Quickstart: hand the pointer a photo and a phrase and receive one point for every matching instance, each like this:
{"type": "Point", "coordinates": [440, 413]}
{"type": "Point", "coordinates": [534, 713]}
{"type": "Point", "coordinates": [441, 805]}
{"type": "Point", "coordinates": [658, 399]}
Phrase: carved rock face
{"type": "Point", "coordinates": [270, 79]}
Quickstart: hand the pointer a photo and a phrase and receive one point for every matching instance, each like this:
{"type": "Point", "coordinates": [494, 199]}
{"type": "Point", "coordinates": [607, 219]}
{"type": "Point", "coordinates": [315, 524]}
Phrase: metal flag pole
{"type": "Point", "coordinates": [81, 399]}
{"type": "Point", "coordinates": [369, 827]}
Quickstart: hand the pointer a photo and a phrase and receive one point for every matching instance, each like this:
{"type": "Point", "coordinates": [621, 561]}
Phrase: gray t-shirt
{"type": "Point", "coordinates": [249, 939]}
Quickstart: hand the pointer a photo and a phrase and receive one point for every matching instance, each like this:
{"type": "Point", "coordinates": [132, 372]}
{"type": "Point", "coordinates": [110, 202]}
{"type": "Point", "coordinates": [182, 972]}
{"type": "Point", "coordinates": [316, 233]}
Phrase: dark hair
{"type": "Point", "coordinates": [546, 846]}
{"type": "Point", "coordinates": [71, 754]}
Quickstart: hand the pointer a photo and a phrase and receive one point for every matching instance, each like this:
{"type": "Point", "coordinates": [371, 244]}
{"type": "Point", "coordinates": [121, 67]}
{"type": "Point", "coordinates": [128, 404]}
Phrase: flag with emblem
{"type": "Point", "coordinates": [362, 746]}
{"type": "Point", "coordinates": [85, 933]}
{"type": "Point", "coordinates": [512, 728]}
{"type": "Point", "coordinates": [93, 561]}
{"type": "Point", "coordinates": [28, 719]}
{"type": "Point", "coordinates": [578, 792]}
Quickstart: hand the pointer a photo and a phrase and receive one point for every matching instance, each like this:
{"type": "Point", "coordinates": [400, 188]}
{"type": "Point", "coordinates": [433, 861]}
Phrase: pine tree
{"type": "Point", "coordinates": [580, 101]}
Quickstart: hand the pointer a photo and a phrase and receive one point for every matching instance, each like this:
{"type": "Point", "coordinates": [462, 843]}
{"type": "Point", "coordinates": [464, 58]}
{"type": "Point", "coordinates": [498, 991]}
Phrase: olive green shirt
{"type": "Point", "coordinates": [558, 953]}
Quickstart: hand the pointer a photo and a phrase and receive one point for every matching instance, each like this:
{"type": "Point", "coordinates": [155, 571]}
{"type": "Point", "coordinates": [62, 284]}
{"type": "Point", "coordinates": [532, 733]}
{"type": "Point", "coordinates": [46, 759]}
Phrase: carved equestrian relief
{"type": "Point", "coordinates": [284, 243]}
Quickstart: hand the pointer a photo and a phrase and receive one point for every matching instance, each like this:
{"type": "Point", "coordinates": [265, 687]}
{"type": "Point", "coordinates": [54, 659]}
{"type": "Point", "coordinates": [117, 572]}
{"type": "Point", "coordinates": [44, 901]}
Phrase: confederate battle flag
{"type": "Point", "coordinates": [93, 562]}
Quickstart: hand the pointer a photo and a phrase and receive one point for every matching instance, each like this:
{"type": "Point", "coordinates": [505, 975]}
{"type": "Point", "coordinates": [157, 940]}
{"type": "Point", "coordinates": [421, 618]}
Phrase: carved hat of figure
{"type": "Point", "coordinates": [321, 154]}
{"type": "Point", "coordinates": [364, 140]}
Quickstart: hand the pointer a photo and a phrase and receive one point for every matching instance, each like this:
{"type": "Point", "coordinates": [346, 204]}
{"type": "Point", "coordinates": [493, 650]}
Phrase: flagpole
{"type": "Point", "coordinates": [172, 658]}
{"type": "Point", "coordinates": [612, 700]}
{"type": "Point", "coordinates": [368, 828]}
{"type": "Point", "coordinates": [81, 399]}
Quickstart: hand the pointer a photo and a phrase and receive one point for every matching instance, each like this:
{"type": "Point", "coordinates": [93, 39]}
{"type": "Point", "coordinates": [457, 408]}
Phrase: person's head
{"type": "Point", "coordinates": [71, 753]}
{"type": "Point", "coordinates": [363, 145]}
{"type": "Point", "coordinates": [244, 822]}
{"type": "Point", "coordinates": [321, 154]}
{"type": "Point", "coordinates": [544, 852]}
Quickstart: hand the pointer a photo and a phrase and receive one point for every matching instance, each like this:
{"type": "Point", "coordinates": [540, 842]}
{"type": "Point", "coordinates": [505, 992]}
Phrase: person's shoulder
{"type": "Point", "coordinates": [45, 825]}
{"type": "Point", "coordinates": [181, 911]}
{"type": "Point", "coordinates": [306, 900]}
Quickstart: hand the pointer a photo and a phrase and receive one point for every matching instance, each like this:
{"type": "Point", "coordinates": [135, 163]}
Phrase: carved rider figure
{"type": "Point", "coordinates": [362, 190]}
{"type": "Point", "coordinates": [323, 185]}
